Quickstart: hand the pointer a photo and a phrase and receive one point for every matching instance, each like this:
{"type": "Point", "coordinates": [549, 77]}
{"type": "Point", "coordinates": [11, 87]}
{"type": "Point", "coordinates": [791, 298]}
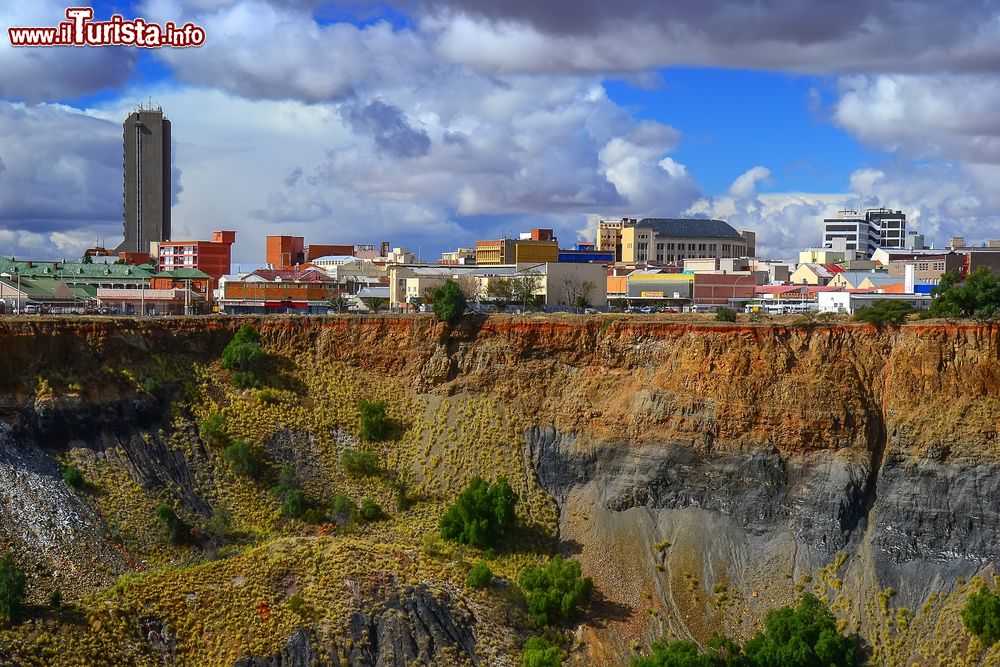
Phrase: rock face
{"type": "Point", "coordinates": [412, 627]}
{"type": "Point", "coordinates": [759, 454]}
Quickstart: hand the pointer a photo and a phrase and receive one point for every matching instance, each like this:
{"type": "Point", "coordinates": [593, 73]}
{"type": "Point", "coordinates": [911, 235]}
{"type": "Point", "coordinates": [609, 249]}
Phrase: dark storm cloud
{"type": "Point", "coordinates": [63, 169]}
{"type": "Point", "coordinates": [388, 127]}
{"type": "Point", "coordinates": [799, 35]}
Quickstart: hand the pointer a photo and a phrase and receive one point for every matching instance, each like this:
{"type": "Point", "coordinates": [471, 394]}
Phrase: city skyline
{"type": "Point", "coordinates": [431, 125]}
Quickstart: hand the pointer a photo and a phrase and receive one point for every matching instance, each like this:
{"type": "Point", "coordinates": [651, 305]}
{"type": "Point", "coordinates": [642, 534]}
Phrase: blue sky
{"type": "Point", "coordinates": [431, 123]}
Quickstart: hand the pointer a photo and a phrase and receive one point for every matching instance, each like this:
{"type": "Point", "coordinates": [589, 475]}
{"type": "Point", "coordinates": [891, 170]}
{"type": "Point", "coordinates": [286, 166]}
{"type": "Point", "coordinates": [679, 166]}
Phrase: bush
{"type": "Point", "coordinates": [801, 637]}
{"type": "Point", "coordinates": [295, 503]}
{"type": "Point", "coordinates": [73, 478]}
{"type": "Point", "coordinates": [55, 598]}
{"type": "Point", "coordinates": [482, 515]}
{"type": "Point", "coordinates": [177, 530]}
{"type": "Point", "coordinates": [268, 396]}
{"type": "Point", "coordinates": [981, 616]}
{"type": "Point", "coordinates": [371, 510]}
{"type": "Point", "coordinates": [343, 511]}
{"type": "Point", "coordinates": [245, 358]}
{"type": "Point", "coordinates": [448, 302]}
{"type": "Point", "coordinates": [213, 429]}
{"type": "Point", "coordinates": [375, 425]}
{"type": "Point", "coordinates": [13, 586]}
{"type": "Point", "coordinates": [539, 652]}
{"type": "Point", "coordinates": [403, 500]}
{"type": "Point", "coordinates": [241, 457]}
{"type": "Point", "coordinates": [978, 296]}
{"type": "Point", "coordinates": [480, 575]}
{"type": "Point", "coordinates": [721, 652]}
{"type": "Point", "coordinates": [884, 311]}
{"type": "Point", "coordinates": [554, 590]}
{"type": "Point", "coordinates": [725, 315]}
{"type": "Point", "coordinates": [358, 463]}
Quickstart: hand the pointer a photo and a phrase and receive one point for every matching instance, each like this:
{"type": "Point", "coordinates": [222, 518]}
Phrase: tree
{"type": "Point", "coordinates": [501, 292]}
{"type": "Point", "coordinates": [449, 302]}
{"type": "Point", "coordinates": [242, 459]}
{"type": "Point", "coordinates": [554, 590]}
{"type": "Point", "coordinates": [978, 296]}
{"type": "Point", "coordinates": [802, 636]}
{"type": "Point", "coordinates": [577, 293]}
{"type": "Point", "coordinates": [524, 288]}
{"type": "Point", "coordinates": [618, 304]}
{"type": "Point", "coordinates": [13, 586]}
{"type": "Point", "coordinates": [482, 515]}
{"type": "Point", "coordinates": [480, 575]}
{"type": "Point", "coordinates": [374, 303]}
{"type": "Point", "coordinates": [981, 616]}
{"type": "Point", "coordinates": [470, 288]}
{"type": "Point", "coordinates": [540, 652]}
{"type": "Point", "coordinates": [86, 259]}
{"type": "Point", "coordinates": [720, 652]}
{"type": "Point", "coordinates": [343, 511]}
{"type": "Point", "coordinates": [295, 503]}
{"type": "Point", "coordinates": [884, 311]}
{"type": "Point", "coordinates": [359, 463]}
{"type": "Point", "coordinates": [375, 425]}
{"type": "Point", "coordinates": [245, 358]}
{"type": "Point", "coordinates": [339, 303]}
{"type": "Point", "coordinates": [725, 315]}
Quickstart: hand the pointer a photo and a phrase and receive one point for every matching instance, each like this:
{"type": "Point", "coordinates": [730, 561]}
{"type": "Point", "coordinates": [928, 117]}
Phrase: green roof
{"type": "Point", "coordinates": [183, 274]}
{"type": "Point", "coordinates": [73, 270]}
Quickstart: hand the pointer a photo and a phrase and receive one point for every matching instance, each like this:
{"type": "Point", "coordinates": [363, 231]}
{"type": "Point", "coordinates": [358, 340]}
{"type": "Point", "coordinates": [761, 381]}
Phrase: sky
{"type": "Point", "coordinates": [433, 123]}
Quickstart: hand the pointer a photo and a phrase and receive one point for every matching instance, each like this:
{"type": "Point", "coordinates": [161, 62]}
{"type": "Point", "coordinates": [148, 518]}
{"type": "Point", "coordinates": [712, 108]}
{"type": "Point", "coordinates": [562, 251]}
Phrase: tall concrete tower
{"type": "Point", "coordinates": [146, 191]}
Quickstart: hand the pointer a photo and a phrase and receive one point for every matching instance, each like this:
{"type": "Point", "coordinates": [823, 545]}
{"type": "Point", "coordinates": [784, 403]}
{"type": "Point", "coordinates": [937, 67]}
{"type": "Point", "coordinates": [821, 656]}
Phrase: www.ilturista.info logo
{"type": "Point", "coordinates": [81, 30]}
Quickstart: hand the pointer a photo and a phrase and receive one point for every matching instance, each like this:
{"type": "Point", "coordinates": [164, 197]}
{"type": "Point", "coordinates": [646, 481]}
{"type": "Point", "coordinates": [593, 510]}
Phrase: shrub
{"type": "Point", "coordinates": [177, 530]}
{"type": "Point", "coordinates": [295, 503]}
{"type": "Point", "coordinates": [884, 311]}
{"type": "Point", "coordinates": [403, 500]}
{"type": "Point", "coordinates": [55, 598]}
{"type": "Point", "coordinates": [720, 652]}
{"type": "Point", "coordinates": [725, 315]}
{"type": "Point", "coordinates": [359, 463]}
{"type": "Point", "coordinates": [802, 636]}
{"type": "Point", "coordinates": [482, 515]}
{"type": "Point", "coordinates": [73, 477]}
{"type": "Point", "coordinates": [375, 425]}
{"type": "Point", "coordinates": [371, 510]}
{"type": "Point", "coordinates": [981, 616]}
{"type": "Point", "coordinates": [245, 358]}
{"type": "Point", "coordinates": [213, 429]}
{"type": "Point", "coordinates": [241, 457]}
{"type": "Point", "coordinates": [540, 652]}
{"type": "Point", "coordinates": [448, 302]}
{"type": "Point", "coordinates": [343, 510]}
{"type": "Point", "coordinates": [480, 575]}
{"type": "Point", "coordinates": [268, 396]}
{"type": "Point", "coordinates": [13, 586]}
{"type": "Point", "coordinates": [554, 590]}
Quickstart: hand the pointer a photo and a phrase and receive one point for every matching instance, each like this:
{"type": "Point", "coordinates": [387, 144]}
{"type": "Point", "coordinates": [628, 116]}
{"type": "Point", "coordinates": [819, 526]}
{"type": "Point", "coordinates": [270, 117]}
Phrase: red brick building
{"type": "Point", "coordinates": [213, 257]}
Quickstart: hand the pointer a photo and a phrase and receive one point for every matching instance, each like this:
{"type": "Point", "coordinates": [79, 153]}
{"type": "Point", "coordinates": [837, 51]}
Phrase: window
{"type": "Point", "coordinates": [691, 247]}
{"type": "Point", "coordinates": [701, 247]}
{"type": "Point", "coordinates": [712, 247]}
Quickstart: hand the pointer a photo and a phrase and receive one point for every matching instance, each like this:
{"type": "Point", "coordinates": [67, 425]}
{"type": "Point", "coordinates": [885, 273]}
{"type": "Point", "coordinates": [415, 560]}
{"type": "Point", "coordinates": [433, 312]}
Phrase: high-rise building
{"type": "Point", "coordinates": [878, 228]}
{"type": "Point", "coordinates": [146, 190]}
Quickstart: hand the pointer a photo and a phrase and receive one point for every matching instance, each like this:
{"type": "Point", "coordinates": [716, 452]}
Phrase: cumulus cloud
{"type": "Point", "coordinates": [388, 127]}
{"type": "Point", "coordinates": [925, 116]}
{"type": "Point", "coordinates": [264, 50]}
{"type": "Point", "coordinates": [32, 74]}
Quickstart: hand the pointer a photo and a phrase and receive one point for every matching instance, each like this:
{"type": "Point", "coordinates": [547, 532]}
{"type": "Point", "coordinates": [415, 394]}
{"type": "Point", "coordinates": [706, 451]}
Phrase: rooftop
{"type": "Point", "coordinates": [690, 228]}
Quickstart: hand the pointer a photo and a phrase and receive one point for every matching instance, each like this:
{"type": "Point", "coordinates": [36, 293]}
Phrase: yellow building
{"type": "Point", "coordinates": [516, 251]}
{"type": "Point", "coordinates": [672, 240]}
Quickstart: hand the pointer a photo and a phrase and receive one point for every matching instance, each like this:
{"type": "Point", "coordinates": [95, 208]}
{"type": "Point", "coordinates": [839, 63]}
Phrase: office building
{"type": "Point", "coordinates": [877, 228]}
{"type": "Point", "coordinates": [146, 189]}
{"type": "Point", "coordinates": [672, 240]}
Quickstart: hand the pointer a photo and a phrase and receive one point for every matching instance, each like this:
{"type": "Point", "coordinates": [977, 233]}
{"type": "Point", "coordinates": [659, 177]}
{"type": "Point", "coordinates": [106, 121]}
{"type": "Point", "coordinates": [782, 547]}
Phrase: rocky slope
{"type": "Point", "coordinates": [703, 474]}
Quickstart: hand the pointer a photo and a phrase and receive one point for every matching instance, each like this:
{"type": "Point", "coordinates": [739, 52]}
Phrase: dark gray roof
{"type": "Point", "coordinates": [701, 228]}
